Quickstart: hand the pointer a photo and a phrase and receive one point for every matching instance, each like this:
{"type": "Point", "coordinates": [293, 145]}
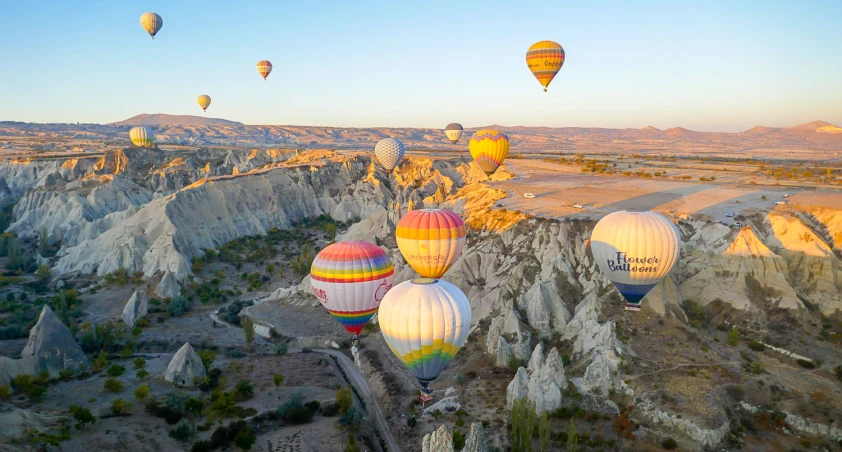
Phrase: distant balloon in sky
{"type": "Point", "coordinates": [424, 322]}
{"type": "Point", "coordinates": [264, 67]}
{"type": "Point", "coordinates": [545, 59]}
{"type": "Point", "coordinates": [431, 240]}
{"type": "Point", "coordinates": [389, 153]}
{"type": "Point", "coordinates": [350, 279]}
{"type": "Point", "coordinates": [142, 137]}
{"type": "Point", "coordinates": [635, 251]}
{"type": "Point", "coordinates": [204, 101]}
{"type": "Point", "coordinates": [453, 132]}
{"type": "Point", "coordinates": [489, 148]}
{"type": "Point", "coordinates": [152, 23]}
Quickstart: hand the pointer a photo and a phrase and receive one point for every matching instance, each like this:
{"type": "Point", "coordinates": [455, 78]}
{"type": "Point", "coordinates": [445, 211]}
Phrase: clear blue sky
{"type": "Point", "coordinates": [716, 65]}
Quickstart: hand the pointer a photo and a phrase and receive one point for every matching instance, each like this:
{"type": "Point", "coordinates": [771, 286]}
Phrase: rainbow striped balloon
{"type": "Point", "coordinates": [431, 240]}
{"type": "Point", "coordinates": [425, 322]}
{"type": "Point", "coordinates": [544, 60]}
{"type": "Point", "coordinates": [489, 148]}
{"type": "Point", "coordinates": [350, 279]}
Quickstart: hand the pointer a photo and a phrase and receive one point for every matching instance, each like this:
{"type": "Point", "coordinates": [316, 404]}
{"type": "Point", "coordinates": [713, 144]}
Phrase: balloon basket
{"type": "Point", "coordinates": [425, 397]}
{"type": "Point", "coordinates": [632, 307]}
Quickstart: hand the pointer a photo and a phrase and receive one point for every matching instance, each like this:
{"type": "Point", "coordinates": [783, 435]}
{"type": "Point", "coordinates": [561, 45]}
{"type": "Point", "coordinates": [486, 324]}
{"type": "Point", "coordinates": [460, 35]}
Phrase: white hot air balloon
{"type": "Point", "coordinates": [389, 153]}
{"type": "Point", "coordinates": [635, 251]}
{"type": "Point", "coordinates": [142, 137]}
{"type": "Point", "coordinates": [425, 321]}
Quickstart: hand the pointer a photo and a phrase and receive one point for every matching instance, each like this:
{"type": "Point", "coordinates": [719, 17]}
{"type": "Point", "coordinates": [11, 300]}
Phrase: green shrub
{"type": "Point", "coordinates": [178, 306]}
{"type": "Point", "coordinates": [116, 370]}
{"type": "Point", "coordinates": [280, 347]}
{"type": "Point", "coordinates": [120, 406]}
{"type": "Point", "coordinates": [82, 416]}
{"type": "Point", "coordinates": [669, 444]}
{"type": "Point", "coordinates": [756, 346]}
{"type": "Point", "coordinates": [183, 430]}
{"type": "Point", "coordinates": [112, 385]}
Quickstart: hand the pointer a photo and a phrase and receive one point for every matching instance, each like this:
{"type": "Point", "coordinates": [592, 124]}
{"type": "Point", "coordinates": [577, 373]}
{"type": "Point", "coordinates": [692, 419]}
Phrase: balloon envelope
{"type": "Point", "coordinates": [544, 60]}
{"type": "Point", "coordinates": [142, 137]}
{"type": "Point", "coordinates": [264, 67]}
{"type": "Point", "coordinates": [389, 152]}
{"type": "Point", "coordinates": [635, 250]}
{"type": "Point", "coordinates": [204, 101]}
{"type": "Point", "coordinates": [431, 240]}
{"type": "Point", "coordinates": [350, 279]}
{"type": "Point", "coordinates": [489, 148]}
{"type": "Point", "coordinates": [425, 322]}
{"type": "Point", "coordinates": [453, 132]}
{"type": "Point", "coordinates": [152, 23]}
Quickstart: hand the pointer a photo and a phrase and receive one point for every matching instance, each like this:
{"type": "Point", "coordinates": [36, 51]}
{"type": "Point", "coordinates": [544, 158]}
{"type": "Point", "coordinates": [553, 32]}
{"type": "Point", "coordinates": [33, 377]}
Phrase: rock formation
{"type": "Point", "coordinates": [477, 441]}
{"type": "Point", "coordinates": [440, 440]}
{"type": "Point", "coordinates": [136, 308]}
{"type": "Point", "coordinates": [168, 287]}
{"type": "Point", "coordinates": [186, 367]}
{"type": "Point", "coordinates": [542, 381]}
{"type": "Point", "coordinates": [51, 347]}
{"type": "Point", "coordinates": [445, 405]}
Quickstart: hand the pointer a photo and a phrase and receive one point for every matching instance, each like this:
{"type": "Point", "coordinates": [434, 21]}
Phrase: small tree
{"type": "Point", "coordinates": [245, 439]}
{"type": "Point", "coordinates": [244, 389]}
{"type": "Point", "coordinates": [208, 357]}
{"type": "Point", "coordinates": [278, 379]}
{"type": "Point", "coordinates": [522, 420]}
{"type": "Point", "coordinates": [544, 432]}
{"type": "Point", "coordinates": [139, 363]}
{"type": "Point", "coordinates": [352, 444]}
{"type": "Point", "coordinates": [5, 392]}
{"type": "Point", "coordinates": [178, 305]}
{"type": "Point", "coordinates": [101, 361]}
{"type": "Point", "coordinates": [142, 374]}
{"type": "Point", "coordinates": [344, 399]}
{"type": "Point", "coordinates": [120, 406]}
{"type": "Point", "coordinates": [112, 385]}
{"type": "Point", "coordinates": [82, 416]}
{"type": "Point", "coordinates": [116, 370]}
{"type": "Point", "coordinates": [43, 241]}
{"type": "Point", "coordinates": [43, 273]}
{"type": "Point", "coordinates": [142, 392]}
{"type": "Point", "coordinates": [436, 414]}
{"type": "Point", "coordinates": [572, 437]}
{"type": "Point", "coordinates": [733, 336]}
{"type": "Point", "coordinates": [248, 330]}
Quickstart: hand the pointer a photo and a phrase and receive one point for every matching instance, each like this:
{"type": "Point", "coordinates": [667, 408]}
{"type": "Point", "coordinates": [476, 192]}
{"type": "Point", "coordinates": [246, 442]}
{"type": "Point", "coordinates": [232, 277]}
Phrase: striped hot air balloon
{"type": "Point", "coordinates": [453, 132]}
{"type": "Point", "coordinates": [431, 240]}
{"type": "Point", "coordinates": [204, 102]}
{"type": "Point", "coordinates": [142, 137]}
{"type": "Point", "coordinates": [264, 67]}
{"type": "Point", "coordinates": [489, 149]}
{"type": "Point", "coordinates": [350, 279]}
{"type": "Point", "coordinates": [635, 250]}
{"type": "Point", "coordinates": [425, 322]}
{"type": "Point", "coordinates": [389, 152]}
{"type": "Point", "coordinates": [152, 23]}
{"type": "Point", "coordinates": [544, 60]}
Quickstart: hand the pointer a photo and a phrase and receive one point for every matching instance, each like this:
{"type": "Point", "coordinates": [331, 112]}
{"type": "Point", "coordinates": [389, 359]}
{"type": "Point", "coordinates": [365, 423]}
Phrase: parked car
{"type": "Point", "coordinates": [780, 203]}
{"type": "Point", "coordinates": [738, 224]}
{"type": "Point", "coordinates": [786, 195]}
{"type": "Point", "coordinates": [729, 214]}
{"type": "Point", "coordinates": [578, 206]}
{"type": "Point", "coordinates": [529, 195]}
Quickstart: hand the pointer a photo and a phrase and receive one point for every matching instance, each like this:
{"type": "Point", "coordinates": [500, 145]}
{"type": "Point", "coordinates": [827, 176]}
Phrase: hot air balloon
{"type": "Point", "coordinates": [204, 102]}
{"type": "Point", "coordinates": [635, 250]}
{"type": "Point", "coordinates": [545, 59]}
{"type": "Point", "coordinates": [142, 137]}
{"type": "Point", "coordinates": [431, 240]}
{"type": "Point", "coordinates": [152, 23]}
{"type": "Point", "coordinates": [489, 148]}
{"type": "Point", "coordinates": [389, 152]}
{"type": "Point", "coordinates": [453, 132]}
{"type": "Point", "coordinates": [264, 67]}
{"type": "Point", "coordinates": [350, 279]}
{"type": "Point", "coordinates": [425, 321]}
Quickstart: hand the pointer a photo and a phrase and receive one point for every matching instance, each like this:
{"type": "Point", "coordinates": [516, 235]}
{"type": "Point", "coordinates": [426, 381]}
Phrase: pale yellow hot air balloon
{"type": "Point", "coordinates": [424, 322]}
{"type": "Point", "coordinates": [152, 23]}
{"type": "Point", "coordinates": [142, 137]}
{"type": "Point", "coordinates": [489, 148]}
{"type": "Point", "coordinates": [204, 101]}
{"type": "Point", "coordinates": [544, 60]}
{"type": "Point", "coordinates": [635, 251]}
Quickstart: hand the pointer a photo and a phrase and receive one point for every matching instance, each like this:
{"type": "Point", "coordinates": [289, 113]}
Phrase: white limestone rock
{"type": "Point", "coordinates": [168, 287]}
{"type": "Point", "coordinates": [136, 308]}
{"type": "Point", "coordinates": [186, 367]}
{"type": "Point", "coordinates": [477, 440]}
{"type": "Point", "coordinates": [440, 440]}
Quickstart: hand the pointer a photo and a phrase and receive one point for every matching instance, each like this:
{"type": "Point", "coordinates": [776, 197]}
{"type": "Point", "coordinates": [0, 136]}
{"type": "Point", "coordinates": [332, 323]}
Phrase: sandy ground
{"type": "Point", "coordinates": [558, 187]}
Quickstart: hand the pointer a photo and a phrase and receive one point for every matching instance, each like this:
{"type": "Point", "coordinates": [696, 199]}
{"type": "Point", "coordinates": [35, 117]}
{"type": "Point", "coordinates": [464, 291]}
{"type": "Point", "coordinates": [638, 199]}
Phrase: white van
{"type": "Point", "coordinates": [578, 206]}
{"type": "Point", "coordinates": [529, 195]}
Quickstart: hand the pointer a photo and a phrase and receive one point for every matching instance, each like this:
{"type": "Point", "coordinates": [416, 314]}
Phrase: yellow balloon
{"type": "Point", "coordinates": [544, 60]}
{"type": "Point", "coordinates": [142, 137]}
{"type": "Point", "coordinates": [431, 240]}
{"type": "Point", "coordinates": [204, 101]}
{"type": "Point", "coordinates": [489, 148]}
{"type": "Point", "coordinates": [152, 23]}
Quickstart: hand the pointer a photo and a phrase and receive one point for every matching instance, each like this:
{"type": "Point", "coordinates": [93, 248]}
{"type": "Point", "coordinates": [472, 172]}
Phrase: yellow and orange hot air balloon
{"type": "Point", "coordinates": [544, 60]}
{"type": "Point", "coordinates": [431, 240]}
{"type": "Point", "coordinates": [264, 67]}
{"type": "Point", "coordinates": [204, 101]}
{"type": "Point", "coordinates": [489, 148]}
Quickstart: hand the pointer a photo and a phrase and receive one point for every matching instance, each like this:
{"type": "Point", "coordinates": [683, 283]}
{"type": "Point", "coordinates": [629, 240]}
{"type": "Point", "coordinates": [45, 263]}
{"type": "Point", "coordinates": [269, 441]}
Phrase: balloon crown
{"type": "Point", "coordinates": [424, 281]}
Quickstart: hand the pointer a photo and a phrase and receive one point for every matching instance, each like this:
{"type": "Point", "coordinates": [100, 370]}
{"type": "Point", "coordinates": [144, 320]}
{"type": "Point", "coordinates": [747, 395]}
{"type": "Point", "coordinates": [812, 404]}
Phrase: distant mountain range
{"type": "Point", "coordinates": [200, 131]}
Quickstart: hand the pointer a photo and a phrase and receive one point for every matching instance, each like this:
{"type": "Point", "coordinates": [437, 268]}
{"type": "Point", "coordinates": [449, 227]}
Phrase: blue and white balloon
{"type": "Point", "coordinates": [389, 153]}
